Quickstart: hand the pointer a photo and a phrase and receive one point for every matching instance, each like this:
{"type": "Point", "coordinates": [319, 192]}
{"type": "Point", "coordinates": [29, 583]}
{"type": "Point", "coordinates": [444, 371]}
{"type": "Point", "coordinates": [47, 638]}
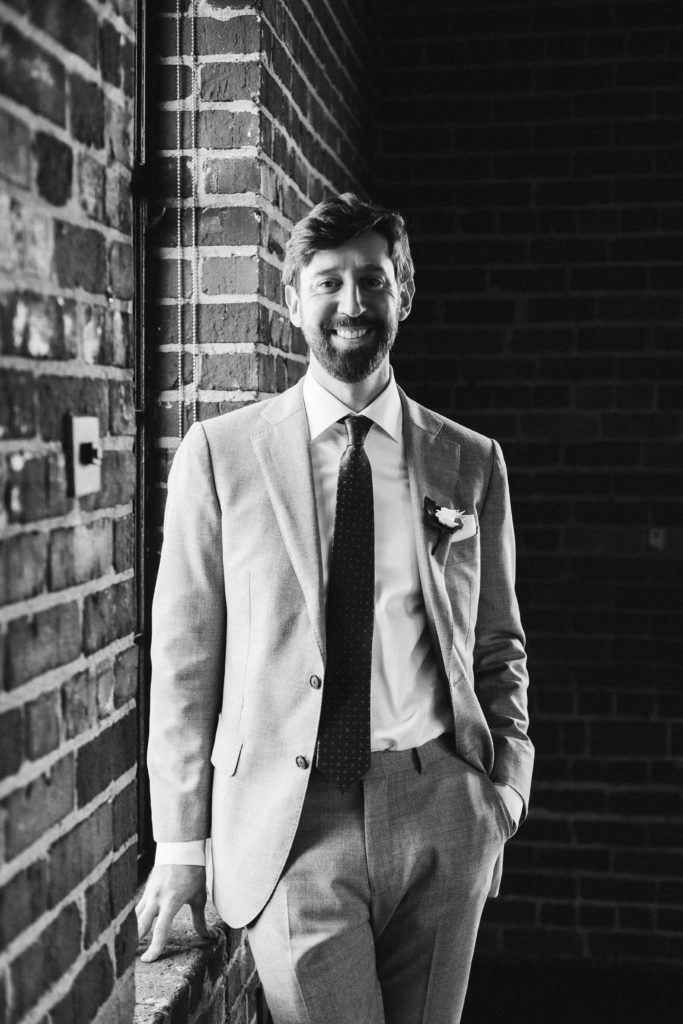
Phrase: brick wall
{"type": "Point", "coordinates": [275, 100]}
{"type": "Point", "coordinates": [536, 149]}
{"type": "Point", "coordinates": [274, 96]}
{"type": "Point", "coordinates": [67, 754]}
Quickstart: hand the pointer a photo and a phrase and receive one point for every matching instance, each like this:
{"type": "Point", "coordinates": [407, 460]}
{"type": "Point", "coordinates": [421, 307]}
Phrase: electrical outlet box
{"type": "Point", "coordinates": [86, 455]}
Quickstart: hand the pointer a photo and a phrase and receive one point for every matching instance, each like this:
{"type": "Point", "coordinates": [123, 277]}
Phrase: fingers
{"type": "Point", "coordinates": [145, 912]}
{"type": "Point", "coordinates": [159, 935]}
{"type": "Point", "coordinates": [168, 888]}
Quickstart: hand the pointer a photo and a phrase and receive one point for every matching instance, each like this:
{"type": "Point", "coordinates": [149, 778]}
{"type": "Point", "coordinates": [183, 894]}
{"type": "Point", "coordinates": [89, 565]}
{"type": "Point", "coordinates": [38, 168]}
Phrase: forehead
{"type": "Point", "coordinates": [368, 249]}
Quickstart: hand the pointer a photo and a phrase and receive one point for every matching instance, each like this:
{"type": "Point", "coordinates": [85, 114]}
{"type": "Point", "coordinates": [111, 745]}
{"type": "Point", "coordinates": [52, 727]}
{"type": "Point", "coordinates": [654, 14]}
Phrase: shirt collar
{"type": "Point", "coordinates": [323, 409]}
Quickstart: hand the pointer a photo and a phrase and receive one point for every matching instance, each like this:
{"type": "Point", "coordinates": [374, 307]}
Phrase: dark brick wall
{"type": "Point", "coordinates": [67, 661]}
{"type": "Point", "coordinates": [536, 150]}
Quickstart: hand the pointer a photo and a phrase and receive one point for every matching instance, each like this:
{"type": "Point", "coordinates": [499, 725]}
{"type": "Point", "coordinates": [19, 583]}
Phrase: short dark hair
{"type": "Point", "coordinates": [337, 220]}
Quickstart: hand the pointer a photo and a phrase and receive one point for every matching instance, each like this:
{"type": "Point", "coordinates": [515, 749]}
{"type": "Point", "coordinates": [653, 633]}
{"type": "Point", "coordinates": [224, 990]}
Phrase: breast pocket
{"type": "Point", "coordinates": [463, 550]}
{"type": "Point", "coordinates": [465, 543]}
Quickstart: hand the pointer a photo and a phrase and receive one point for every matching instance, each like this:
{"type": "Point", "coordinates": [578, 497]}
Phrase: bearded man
{"type": "Point", "coordinates": [339, 677]}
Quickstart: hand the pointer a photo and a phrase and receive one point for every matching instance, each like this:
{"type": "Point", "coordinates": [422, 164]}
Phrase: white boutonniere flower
{"type": "Point", "coordinates": [450, 517]}
{"type": "Point", "coordinates": [444, 520]}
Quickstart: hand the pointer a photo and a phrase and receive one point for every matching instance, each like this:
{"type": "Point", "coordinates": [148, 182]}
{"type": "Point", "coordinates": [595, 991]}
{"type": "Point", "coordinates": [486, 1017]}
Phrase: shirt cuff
{"type": "Point", "coordinates": [191, 852]}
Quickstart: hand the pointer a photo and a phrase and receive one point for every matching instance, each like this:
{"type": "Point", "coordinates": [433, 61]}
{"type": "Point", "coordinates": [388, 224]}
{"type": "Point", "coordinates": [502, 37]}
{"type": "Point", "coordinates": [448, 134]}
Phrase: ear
{"type": "Point", "coordinates": [406, 299]}
{"type": "Point", "coordinates": [293, 304]}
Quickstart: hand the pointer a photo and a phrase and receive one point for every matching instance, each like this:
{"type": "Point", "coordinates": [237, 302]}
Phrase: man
{"type": "Point", "coordinates": [339, 678]}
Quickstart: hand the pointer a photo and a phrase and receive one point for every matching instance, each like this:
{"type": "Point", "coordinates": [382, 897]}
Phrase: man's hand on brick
{"type": "Point", "coordinates": [168, 888]}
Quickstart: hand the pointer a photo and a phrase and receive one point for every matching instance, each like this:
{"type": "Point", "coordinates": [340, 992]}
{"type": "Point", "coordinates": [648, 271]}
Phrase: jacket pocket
{"type": "Point", "coordinates": [227, 748]}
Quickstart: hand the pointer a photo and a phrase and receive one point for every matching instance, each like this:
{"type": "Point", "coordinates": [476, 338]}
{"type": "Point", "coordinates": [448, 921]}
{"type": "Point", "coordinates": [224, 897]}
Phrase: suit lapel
{"type": "Point", "coordinates": [281, 446]}
{"type": "Point", "coordinates": [433, 461]}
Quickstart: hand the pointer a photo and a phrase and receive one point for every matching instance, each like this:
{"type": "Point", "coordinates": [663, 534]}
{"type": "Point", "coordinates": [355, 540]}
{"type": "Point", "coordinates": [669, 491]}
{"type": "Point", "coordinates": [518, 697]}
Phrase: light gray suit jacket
{"type": "Point", "coordinates": [238, 630]}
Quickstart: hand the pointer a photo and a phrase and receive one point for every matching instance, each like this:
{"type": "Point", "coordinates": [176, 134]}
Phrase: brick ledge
{"type": "Point", "coordinates": [195, 979]}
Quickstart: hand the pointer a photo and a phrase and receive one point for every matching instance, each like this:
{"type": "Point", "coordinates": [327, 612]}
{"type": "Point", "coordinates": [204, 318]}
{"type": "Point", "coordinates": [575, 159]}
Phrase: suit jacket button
{"type": "Point", "coordinates": [315, 682]}
{"type": "Point", "coordinates": [301, 762]}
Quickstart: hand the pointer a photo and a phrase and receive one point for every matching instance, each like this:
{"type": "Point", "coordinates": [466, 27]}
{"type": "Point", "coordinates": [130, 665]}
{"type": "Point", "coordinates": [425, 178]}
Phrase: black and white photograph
{"type": "Point", "coordinates": [341, 512]}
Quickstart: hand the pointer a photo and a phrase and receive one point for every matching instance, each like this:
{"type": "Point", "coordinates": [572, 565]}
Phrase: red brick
{"type": "Point", "coordinates": [215, 129]}
{"type": "Point", "coordinates": [110, 53]}
{"type": "Point", "coordinates": [22, 901]}
{"type": "Point", "coordinates": [118, 481]}
{"type": "Point", "coordinates": [125, 676]}
{"type": "Point", "coordinates": [108, 614]}
{"type": "Point", "coordinates": [164, 277]}
{"type": "Point", "coordinates": [86, 107]}
{"type": "Point", "coordinates": [15, 154]}
{"type": "Point", "coordinates": [223, 82]}
{"type": "Point", "coordinates": [236, 275]}
{"type": "Point", "coordinates": [11, 748]}
{"type": "Point", "coordinates": [74, 26]}
{"type": "Point", "coordinates": [98, 911]}
{"type": "Point", "coordinates": [167, 84]}
{"type": "Point", "coordinates": [217, 322]}
{"type": "Point", "coordinates": [121, 407]}
{"type": "Point", "coordinates": [55, 169]}
{"type": "Point", "coordinates": [17, 405]}
{"type": "Point", "coordinates": [23, 561]}
{"type": "Point", "coordinates": [118, 200]}
{"type": "Point", "coordinates": [123, 880]}
{"type": "Point", "coordinates": [121, 269]}
{"type": "Point", "coordinates": [73, 856]}
{"type": "Point", "coordinates": [125, 815]}
{"type": "Point", "coordinates": [238, 35]}
{"type": "Point", "coordinates": [44, 640]}
{"type": "Point", "coordinates": [231, 176]}
{"type": "Point", "coordinates": [35, 326]}
{"type": "Point", "coordinates": [91, 193]}
{"type": "Point", "coordinates": [79, 704]}
{"type": "Point", "coordinates": [89, 991]}
{"type": "Point", "coordinates": [124, 543]}
{"type": "Point", "coordinates": [80, 553]}
{"type": "Point", "coordinates": [117, 348]}
{"type": "Point", "coordinates": [118, 134]}
{"type": "Point", "coordinates": [103, 684]}
{"type": "Point", "coordinates": [39, 967]}
{"type": "Point", "coordinates": [79, 257]}
{"type": "Point", "coordinates": [32, 76]}
{"type": "Point", "coordinates": [41, 725]}
{"type": "Point", "coordinates": [126, 943]}
{"type": "Point", "coordinates": [35, 808]}
{"type": "Point", "coordinates": [105, 758]}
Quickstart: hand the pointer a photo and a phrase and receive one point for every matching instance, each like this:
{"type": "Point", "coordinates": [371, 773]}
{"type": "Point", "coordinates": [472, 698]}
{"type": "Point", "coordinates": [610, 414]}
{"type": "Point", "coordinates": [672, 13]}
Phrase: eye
{"type": "Point", "coordinates": [327, 284]}
{"type": "Point", "coordinates": [373, 282]}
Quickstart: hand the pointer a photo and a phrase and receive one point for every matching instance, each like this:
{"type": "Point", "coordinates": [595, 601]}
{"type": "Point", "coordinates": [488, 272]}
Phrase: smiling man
{"type": "Point", "coordinates": [339, 678]}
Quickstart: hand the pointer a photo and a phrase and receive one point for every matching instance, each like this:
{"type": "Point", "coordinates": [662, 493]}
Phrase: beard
{"type": "Point", "coordinates": [354, 363]}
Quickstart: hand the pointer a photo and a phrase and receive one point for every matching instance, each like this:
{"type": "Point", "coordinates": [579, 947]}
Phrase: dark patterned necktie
{"type": "Point", "coordinates": [343, 754]}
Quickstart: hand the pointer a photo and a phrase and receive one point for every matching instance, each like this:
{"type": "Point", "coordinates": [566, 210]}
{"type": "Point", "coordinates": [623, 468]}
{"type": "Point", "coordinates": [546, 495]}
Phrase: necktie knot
{"type": "Point", "coordinates": [357, 428]}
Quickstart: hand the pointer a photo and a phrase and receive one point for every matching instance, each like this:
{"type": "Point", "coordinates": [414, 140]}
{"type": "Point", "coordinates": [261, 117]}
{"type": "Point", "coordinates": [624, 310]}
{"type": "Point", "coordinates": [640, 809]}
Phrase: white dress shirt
{"type": "Point", "coordinates": [410, 703]}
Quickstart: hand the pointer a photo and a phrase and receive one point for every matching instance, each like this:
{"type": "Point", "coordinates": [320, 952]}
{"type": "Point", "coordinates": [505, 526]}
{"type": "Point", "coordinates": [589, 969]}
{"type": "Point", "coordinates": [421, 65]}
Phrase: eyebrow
{"type": "Point", "coordinates": [373, 267]}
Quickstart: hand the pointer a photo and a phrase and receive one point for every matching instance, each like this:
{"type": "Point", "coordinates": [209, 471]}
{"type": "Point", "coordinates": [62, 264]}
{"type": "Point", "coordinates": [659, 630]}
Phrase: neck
{"type": "Point", "coordinates": [356, 396]}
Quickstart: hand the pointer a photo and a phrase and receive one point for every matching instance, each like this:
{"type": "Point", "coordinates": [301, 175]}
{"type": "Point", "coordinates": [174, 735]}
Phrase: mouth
{"type": "Point", "coordinates": [352, 333]}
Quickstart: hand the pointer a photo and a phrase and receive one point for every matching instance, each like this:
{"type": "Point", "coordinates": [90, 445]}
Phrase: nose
{"type": "Point", "coordinates": [350, 299]}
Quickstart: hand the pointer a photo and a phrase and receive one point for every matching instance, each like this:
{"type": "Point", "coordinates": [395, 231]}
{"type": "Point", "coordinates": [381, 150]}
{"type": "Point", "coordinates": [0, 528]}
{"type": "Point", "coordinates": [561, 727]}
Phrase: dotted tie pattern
{"type": "Point", "coordinates": [343, 754]}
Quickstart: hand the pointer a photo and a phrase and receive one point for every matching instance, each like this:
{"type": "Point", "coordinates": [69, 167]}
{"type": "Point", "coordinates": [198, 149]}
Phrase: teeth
{"type": "Point", "coordinates": [350, 335]}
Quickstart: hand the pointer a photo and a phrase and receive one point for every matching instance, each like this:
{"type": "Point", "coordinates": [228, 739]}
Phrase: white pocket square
{"type": "Point", "coordinates": [469, 528]}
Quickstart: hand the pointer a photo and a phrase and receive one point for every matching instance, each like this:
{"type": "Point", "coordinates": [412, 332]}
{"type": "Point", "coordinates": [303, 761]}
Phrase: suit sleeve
{"type": "Point", "coordinates": [188, 648]}
{"type": "Point", "coordinates": [500, 672]}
